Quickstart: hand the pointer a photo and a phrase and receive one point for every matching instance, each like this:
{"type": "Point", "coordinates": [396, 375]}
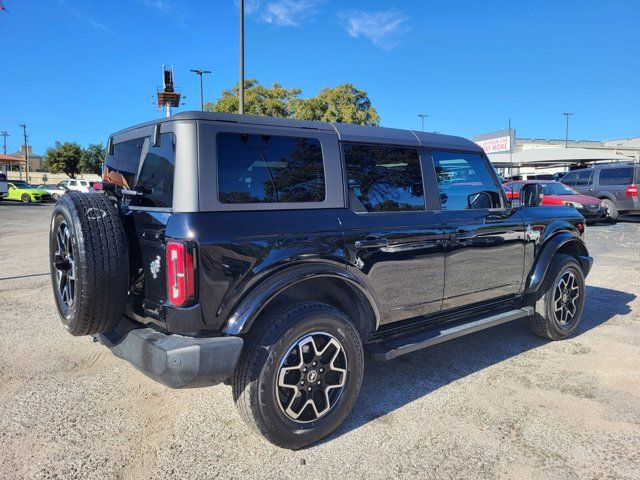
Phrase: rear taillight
{"type": "Point", "coordinates": [580, 227]}
{"type": "Point", "coordinates": [180, 274]}
{"type": "Point", "coordinates": [97, 186]}
{"type": "Point", "coordinates": [632, 191]}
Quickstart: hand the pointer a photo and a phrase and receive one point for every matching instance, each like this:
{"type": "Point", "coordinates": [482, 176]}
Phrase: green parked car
{"type": "Point", "coordinates": [22, 191]}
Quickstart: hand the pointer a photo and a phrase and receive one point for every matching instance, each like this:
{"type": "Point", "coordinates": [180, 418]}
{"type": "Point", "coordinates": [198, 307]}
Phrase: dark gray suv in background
{"type": "Point", "coordinates": [615, 183]}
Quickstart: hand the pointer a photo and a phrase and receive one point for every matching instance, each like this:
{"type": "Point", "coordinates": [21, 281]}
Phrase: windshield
{"type": "Point", "coordinates": [557, 189]}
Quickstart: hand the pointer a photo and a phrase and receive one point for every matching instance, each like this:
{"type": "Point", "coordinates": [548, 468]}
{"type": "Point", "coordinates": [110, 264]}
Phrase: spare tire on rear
{"type": "Point", "coordinates": [89, 263]}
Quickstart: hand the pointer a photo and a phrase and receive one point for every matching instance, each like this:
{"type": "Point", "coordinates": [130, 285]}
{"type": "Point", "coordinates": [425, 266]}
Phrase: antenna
{"type": "Point", "coordinates": [168, 97]}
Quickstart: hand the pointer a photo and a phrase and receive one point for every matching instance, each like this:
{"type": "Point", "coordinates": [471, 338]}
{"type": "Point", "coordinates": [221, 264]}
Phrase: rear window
{"type": "Point", "coordinates": [122, 166]}
{"type": "Point", "coordinates": [616, 176]}
{"type": "Point", "coordinates": [155, 180]}
{"type": "Point", "coordinates": [254, 168]}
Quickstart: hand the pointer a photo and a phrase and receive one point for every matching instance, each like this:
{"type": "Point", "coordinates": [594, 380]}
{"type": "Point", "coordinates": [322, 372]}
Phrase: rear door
{"type": "Point", "coordinates": [486, 237]}
{"type": "Point", "coordinates": [613, 183]}
{"type": "Point", "coordinates": [395, 244]}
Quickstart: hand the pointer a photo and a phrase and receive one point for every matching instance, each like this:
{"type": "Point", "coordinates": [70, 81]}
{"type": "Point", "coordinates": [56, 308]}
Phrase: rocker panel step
{"type": "Point", "coordinates": [401, 345]}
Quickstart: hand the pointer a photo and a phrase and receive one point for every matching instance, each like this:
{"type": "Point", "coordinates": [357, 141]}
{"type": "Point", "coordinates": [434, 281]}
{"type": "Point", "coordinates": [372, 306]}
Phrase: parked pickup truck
{"type": "Point", "coordinates": [275, 254]}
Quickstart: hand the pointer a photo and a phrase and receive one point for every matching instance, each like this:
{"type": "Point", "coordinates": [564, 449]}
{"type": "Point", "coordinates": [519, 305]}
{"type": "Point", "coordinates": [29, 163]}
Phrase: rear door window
{"type": "Point", "coordinates": [121, 167]}
{"type": "Point", "coordinates": [584, 177]}
{"type": "Point", "coordinates": [155, 179]}
{"type": "Point", "coordinates": [465, 181]}
{"type": "Point", "coordinates": [254, 168]}
{"type": "Point", "coordinates": [616, 176]}
{"type": "Point", "coordinates": [383, 179]}
{"type": "Point", "coordinates": [570, 178]}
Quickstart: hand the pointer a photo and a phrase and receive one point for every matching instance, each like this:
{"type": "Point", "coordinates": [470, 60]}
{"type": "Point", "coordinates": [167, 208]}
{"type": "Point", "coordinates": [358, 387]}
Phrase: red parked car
{"type": "Point", "coordinates": [556, 193]}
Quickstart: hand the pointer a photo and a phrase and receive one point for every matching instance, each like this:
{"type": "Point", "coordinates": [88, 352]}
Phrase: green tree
{"type": "Point", "coordinates": [92, 158]}
{"type": "Point", "coordinates": [273, 101]}
{"type": "Point", "coordinates": [64, 159]}
{"type": "Point", "coordinates": [344, 103]}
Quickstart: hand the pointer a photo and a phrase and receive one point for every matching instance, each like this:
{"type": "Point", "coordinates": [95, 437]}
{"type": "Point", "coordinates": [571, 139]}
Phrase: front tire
{"type": "Point", "coordinates": [613, 211]}
{"type": "Point", "coordinates": [299, 374]}
{"type": "Point", "coordinates": [25, 198]}
{"type": "Point", "coordinates": [560, 302]}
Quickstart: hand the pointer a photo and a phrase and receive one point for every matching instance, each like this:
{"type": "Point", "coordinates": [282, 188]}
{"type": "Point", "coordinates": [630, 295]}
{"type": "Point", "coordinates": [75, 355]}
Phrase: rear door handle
{"type": "Point", "coordinates": [370, 242]}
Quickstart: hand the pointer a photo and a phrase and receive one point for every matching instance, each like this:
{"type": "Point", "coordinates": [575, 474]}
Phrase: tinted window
{"type": "Point", "coordinates": [383, 179]}
{"type": "Point", "coordinates": [156, 175]}
{"type": "Point", "coordinates": [584, 177]}
{"type": "Point", "coordinates": [269, 169]}
{"type": "Point", "coordinates": [616, 176]}
{"type": "Point", "coordinates": [464, 181]}
{"type": "Point", "coordinates": [570, 178]}
{"type": "Point", "coordinates": [122, 166]}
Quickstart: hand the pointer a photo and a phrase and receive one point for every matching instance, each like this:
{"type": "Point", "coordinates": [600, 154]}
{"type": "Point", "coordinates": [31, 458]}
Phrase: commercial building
{"type": "Point", "coordinates": [511, 155]}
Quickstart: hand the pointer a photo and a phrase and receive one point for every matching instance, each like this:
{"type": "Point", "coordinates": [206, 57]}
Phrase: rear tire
{"type": "Point", "coordinates": [279, 390]}
{"type": "Point", "coordinates": [89, 263]}
{"type": "Point", "coordinates": [560, 301]}
{"type": "Point", "coordinates": [613, 211]}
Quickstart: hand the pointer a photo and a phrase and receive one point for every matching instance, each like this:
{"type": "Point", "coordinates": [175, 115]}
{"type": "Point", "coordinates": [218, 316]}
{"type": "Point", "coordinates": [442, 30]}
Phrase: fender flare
{"type": "Point", "coordinates": [549, 249]}
{"type": "Point", "coordinates": [250, 307]}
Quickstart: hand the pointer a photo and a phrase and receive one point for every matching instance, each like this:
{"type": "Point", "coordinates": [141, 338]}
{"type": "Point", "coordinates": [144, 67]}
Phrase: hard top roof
{"type": "Point", "coordinates": [346, 132]}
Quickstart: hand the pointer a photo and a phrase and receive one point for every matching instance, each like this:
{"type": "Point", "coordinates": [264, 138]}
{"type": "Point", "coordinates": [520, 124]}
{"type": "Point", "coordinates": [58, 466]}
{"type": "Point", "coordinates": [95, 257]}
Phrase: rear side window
{"type": "Point", "coordinates": [616, 176]}
{"type": "Point", "coordinates": [155, 180]}
{"type": "Point", "coordinates": [383, 179]}
{"type": "Point", "coordinates": [464, 181]}
{"type": "Point", "coordinates": [122, 167]}
{"type": "Point", "coordinates": [584, 177]}
{"type": "Point", "coordinates": [255, 168]}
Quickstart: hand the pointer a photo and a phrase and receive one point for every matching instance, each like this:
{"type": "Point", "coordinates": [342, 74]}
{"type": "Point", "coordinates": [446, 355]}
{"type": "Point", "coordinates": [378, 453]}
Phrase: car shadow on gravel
{"type": "Point", "coordinates": [388, 386]}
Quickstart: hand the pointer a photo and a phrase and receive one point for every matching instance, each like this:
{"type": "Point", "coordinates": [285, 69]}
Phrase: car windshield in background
{"type": "Point", "coordinates": [557, 189]}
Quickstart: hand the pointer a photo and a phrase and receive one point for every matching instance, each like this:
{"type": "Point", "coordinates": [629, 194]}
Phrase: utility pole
{"type": "Point", "coordinates": [566, 130]}
{"type": "Point", "coordinates": [241, 93]}
{"type": "Point", "coordinates": [26, 152]}
{"type": "Point", "coordinates": [4, 134]}
{"type": "Point", "coordinates": [200, 73]}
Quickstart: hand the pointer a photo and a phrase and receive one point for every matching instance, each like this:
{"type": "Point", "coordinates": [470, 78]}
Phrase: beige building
{"type": "Point", "coordinates": [36, 162]}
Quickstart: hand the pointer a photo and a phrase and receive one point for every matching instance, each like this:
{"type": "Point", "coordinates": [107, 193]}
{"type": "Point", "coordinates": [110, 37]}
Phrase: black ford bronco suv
{"type": "Point", "coordinates": [274, 254]}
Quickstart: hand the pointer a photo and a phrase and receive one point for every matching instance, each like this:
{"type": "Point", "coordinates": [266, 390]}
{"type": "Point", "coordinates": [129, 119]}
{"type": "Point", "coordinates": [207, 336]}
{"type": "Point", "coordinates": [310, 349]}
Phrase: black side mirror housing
{"type": "Point", "coordinates": [531, 195]}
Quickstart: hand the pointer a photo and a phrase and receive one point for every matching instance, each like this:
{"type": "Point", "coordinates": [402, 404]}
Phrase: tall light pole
{"type": "Point", "coordinates": [200, 73]}
{"type": "Point", "coordinates": [241, 93]}
{"type": "Point", "coordinates": [422, 115]}
{"type": "Point", "coordinates": [566, 130]}
{"type": "Point", "coordinates": [26, 152]}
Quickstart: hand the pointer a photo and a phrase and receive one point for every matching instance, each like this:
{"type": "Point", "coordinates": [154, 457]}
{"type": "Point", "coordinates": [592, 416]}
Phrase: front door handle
{"type": "Point", "coordinates": [372, 242]}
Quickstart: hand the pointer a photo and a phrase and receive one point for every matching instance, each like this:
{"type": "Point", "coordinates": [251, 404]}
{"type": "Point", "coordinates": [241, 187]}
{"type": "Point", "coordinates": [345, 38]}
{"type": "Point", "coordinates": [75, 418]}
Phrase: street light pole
{"type": "Point", "coordinates": [566, 130]}
{"type": "Point", "coordinates": [200, 73]}
{"type": "Point", "coordinates": [26, 152]}
{"type": "Point", "coordinates": [422, 115]}
{"type": "Point", "coordinates": [4, 134]}
{"type": "Point", "coordinates": [241, 93]}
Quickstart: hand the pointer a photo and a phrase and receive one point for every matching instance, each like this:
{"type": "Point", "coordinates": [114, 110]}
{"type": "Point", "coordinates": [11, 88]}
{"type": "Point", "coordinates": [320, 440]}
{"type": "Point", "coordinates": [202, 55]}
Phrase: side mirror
{"type": "Point", "coordinates": [531, 195]}
{"type": "Point", "coordinates": [479, 200]}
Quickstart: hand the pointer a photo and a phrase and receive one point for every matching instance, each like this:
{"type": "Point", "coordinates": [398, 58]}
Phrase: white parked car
{"type": "Point", "coordinates": [76, 185]}
{"type": "Point", "coordinates": [56, 191]}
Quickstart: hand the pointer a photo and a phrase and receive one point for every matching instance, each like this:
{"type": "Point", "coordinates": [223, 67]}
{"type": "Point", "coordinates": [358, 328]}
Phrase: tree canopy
{"type": "Point", "coordinates": [92, 159]}
{"type": "Point", "coordinates": [344, 103]}
{"type": "Point", "coordinates": [64, 159]}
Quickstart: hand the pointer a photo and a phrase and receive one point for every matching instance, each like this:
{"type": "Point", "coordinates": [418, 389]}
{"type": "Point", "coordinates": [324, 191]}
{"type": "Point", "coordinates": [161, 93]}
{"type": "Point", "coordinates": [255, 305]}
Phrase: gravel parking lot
{"type": "Point", "coordinates": [497, 404]}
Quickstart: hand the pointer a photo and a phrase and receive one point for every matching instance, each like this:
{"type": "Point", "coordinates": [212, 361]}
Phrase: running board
{"type": "Point", "coordinates": [399, 346]}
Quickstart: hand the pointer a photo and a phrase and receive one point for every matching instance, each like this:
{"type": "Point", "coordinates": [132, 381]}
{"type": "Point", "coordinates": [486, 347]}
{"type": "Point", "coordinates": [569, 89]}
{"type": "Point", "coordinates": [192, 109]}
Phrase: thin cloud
{"type": "Point", "coordinates": [174, 9]}
{"type": "Point", "coordinates": [85, 18]}
{"type": "Point", "coordinates": [164, 6]}
{"type": "Point", "coordinates": [284, 13]}
{"type": "Point", "coordinates": [383, 28]}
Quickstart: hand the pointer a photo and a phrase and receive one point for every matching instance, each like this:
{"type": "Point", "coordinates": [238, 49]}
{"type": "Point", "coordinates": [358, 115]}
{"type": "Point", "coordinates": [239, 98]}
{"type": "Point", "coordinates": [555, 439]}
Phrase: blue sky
{"type": "Point", "coordinates": [77, 70]}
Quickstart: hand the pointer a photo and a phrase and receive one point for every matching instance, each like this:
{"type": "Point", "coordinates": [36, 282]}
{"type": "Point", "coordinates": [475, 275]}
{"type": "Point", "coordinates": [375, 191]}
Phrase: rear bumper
{"type": "Point", "coordinates": [174, 360]}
